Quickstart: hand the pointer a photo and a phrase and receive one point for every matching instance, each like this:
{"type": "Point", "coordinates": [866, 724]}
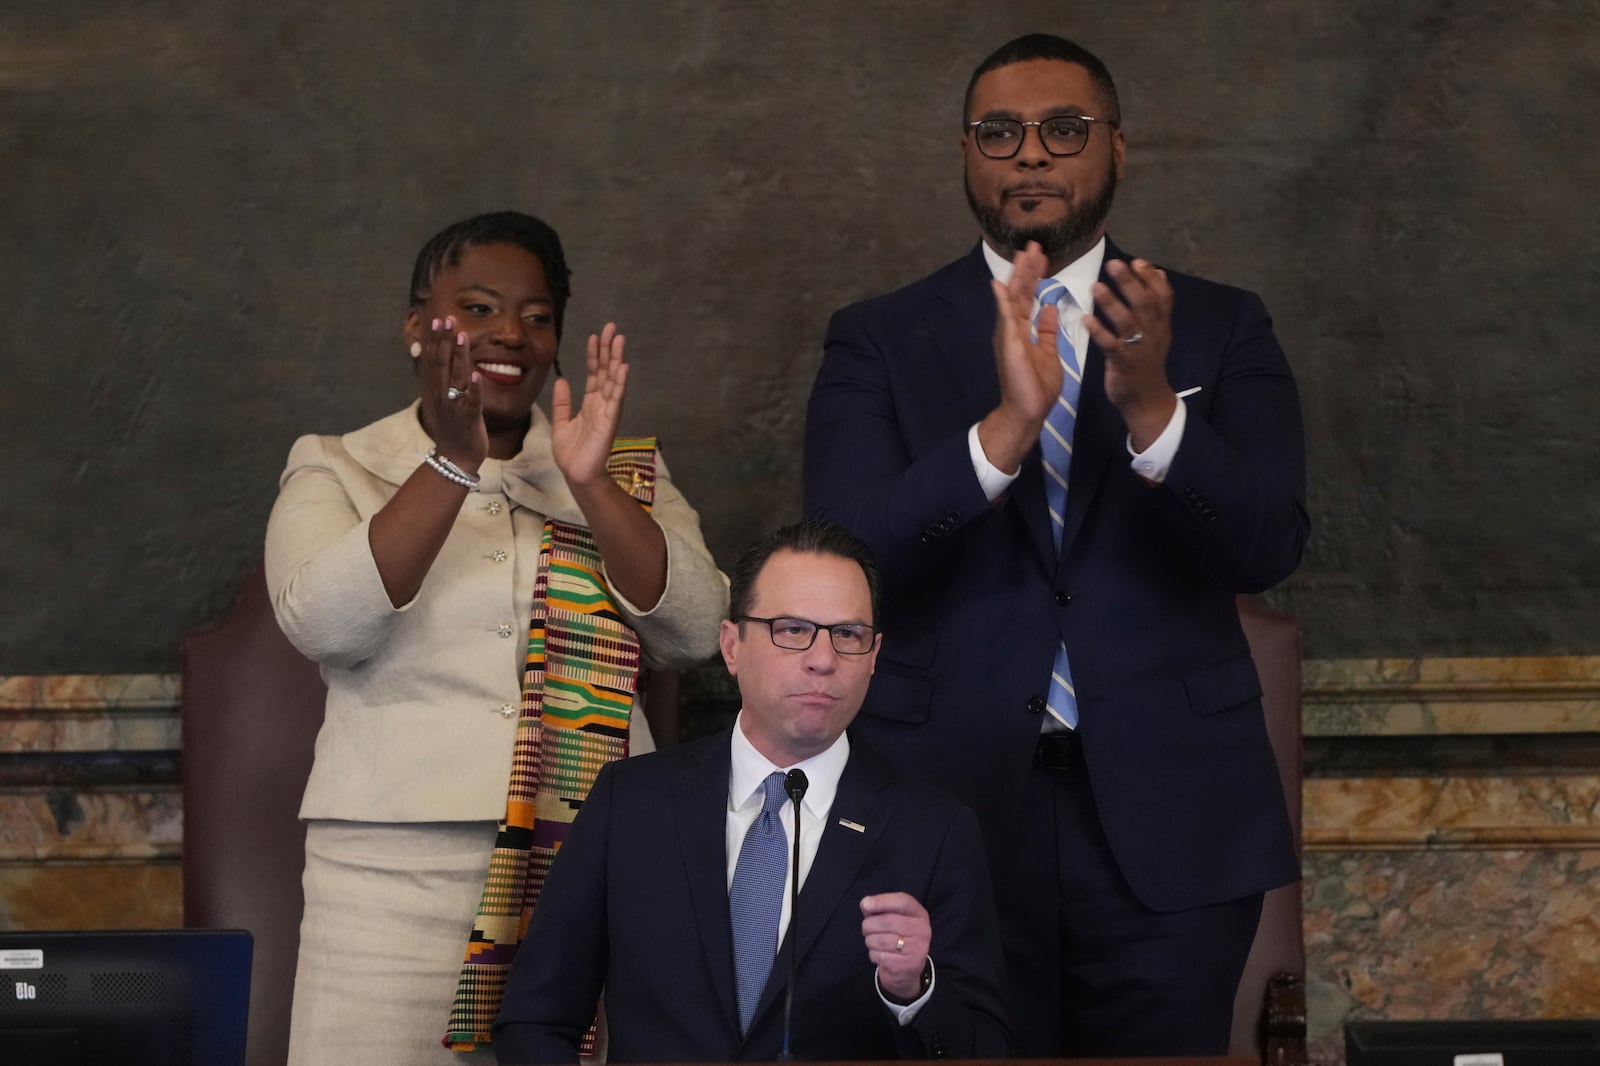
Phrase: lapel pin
{"type": "Point", "coordinates": [848, 824]}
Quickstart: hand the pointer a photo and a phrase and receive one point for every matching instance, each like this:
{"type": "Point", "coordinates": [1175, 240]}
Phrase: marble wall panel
{"type": "Point", "coordinates": [1402, 697]}
{"type": "Point", "coordinates": [89, 712]}
{"type": "Point", "coordinates": [1449, 933]}
{"type": "Point", "coordinates": [86, 850]}
{"type": "Point", "coordinates": [62, 824]}
{"type": "Point", "coordinates": [87, 691]}
{"type": "Point", "coordinates": [1435, 812]}
{"type": "Point", "coordinates": [90, 895]}
{"type": "Point", "coordinates": [1462, 894]}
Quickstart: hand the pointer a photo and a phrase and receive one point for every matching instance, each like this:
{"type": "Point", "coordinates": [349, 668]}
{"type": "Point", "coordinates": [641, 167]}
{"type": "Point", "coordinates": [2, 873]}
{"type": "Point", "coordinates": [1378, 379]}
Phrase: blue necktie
{"type": "Point", "coordinates": [755, 899]}
{"type": "Point", "coordinates": [1055, 448]}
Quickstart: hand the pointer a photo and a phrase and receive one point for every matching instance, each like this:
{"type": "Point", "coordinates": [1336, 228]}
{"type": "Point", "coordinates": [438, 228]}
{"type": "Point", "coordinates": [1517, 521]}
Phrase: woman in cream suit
{"type": "Point", "coordinates": [404, 558]}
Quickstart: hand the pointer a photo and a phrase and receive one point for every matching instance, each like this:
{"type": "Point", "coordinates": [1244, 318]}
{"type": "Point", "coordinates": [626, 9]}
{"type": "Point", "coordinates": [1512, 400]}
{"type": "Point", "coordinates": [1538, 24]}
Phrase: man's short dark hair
{"type": "Point", "coordinates": [814, 536]}
{"type": "Point", "coordinates": [1047, 46]}
{"type": "Point", "coordinates": [498, 227]}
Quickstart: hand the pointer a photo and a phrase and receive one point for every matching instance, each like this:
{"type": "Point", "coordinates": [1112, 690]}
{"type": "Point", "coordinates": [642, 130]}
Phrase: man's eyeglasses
{"type": "Point", "coordinates": [1001, 138]}
{"type": "Point", "coordinates": [798, 634]}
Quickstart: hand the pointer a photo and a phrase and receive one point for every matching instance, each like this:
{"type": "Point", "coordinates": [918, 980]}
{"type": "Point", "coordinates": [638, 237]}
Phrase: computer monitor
{"type": "Point", "coordinates": [148, 998]}
{"type": "Point", "coordinates": [1473, 1043]}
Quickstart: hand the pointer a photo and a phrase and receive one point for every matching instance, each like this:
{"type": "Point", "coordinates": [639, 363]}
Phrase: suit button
{"type": "Point", "coordinates": [1063, 598]}
{"type": "Point", "coordinates": [1035, 704]}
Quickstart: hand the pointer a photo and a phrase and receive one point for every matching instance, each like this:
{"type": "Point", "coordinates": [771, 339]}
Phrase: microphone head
{"type": "Point", "coordinates": [795, 784]}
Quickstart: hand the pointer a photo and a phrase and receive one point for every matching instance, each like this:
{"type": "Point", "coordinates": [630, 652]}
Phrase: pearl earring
{"type": "Point", "coordinates": [416, 349]}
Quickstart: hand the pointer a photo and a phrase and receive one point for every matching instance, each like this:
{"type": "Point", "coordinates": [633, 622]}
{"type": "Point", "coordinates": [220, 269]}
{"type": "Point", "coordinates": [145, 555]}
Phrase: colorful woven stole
{"type": "Point", "coordinates": [578, 688]}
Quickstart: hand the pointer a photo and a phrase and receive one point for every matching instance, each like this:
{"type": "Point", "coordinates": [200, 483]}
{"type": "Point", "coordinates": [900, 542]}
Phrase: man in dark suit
{"type": "Point", "coordinates": [672, 890]}
{"type": "Point", "coordinates": [1066, 503]}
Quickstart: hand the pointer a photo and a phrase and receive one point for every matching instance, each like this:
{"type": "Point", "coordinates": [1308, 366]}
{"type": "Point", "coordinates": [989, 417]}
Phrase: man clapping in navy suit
{"type": "Point", "coordinates": [1070, 461]}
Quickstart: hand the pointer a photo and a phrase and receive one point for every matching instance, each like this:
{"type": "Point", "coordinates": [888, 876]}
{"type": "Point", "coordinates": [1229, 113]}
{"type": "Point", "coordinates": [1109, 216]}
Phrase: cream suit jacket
{"type": "Point", "coordinates": [423, 698]}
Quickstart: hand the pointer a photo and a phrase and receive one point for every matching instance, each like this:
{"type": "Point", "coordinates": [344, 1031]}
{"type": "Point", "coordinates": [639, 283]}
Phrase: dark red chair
{"type": "Point", "coordinates": [1269, 1011]}
{"type": "Point", "coordinates": [251, 709]}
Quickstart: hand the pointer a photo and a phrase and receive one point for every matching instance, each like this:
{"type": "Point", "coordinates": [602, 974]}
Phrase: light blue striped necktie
{"type": "Point", "coordinates": [1055, 448]}
{"type": "Point", "coordinates": [755, 898]}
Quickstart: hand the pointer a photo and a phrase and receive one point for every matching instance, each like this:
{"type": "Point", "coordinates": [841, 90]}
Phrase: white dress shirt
{"type": "Point", "coordinates": [747, 772]}
{"type": "Point", "coordinates": [1078, 277]}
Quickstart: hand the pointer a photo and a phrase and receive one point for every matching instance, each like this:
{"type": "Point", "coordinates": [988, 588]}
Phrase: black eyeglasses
{"type": "Point", "coordinates": [1001, 138]}
{"type": "Point", "coordinates": [798, 634]}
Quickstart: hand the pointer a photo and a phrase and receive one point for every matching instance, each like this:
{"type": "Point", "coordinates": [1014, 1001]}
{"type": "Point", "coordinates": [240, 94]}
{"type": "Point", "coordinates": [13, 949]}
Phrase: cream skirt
{"type": "Point", "coordinates": [389, 908]}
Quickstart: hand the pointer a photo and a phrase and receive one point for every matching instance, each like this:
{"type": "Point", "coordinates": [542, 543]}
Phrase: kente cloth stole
{"type": "Point", "coordinates": [578, 688]}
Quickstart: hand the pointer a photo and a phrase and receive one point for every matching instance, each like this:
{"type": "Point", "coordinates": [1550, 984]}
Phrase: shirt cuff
{"type": "Point", "coordinates": [993, 481]}
{"type": "Point", "coordinates": [904, 1013]}
{"type": "Point", "coordinates": [1153, 463]}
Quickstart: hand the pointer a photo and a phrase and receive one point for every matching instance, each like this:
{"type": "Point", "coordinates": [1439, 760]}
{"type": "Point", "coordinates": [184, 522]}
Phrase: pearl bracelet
{"type": "Point", "coordinates": [450, 471]}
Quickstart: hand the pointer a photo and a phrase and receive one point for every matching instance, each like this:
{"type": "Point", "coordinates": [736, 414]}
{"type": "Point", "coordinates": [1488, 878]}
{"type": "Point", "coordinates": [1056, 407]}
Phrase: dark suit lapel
{"type": "Point", "coordinates": [1027, 496]}
{"type": "Point", "coordinates": [964, 288]}
{"type": "Point", "coordinates": [840, 856]}
{"type": "Point", "coordinates": [700, 798]}
{"type": "Point", "coordinates": [965, 329]}
{"type": "Point", "coordinates": [960, 323]}
{"type": "Point", "coordinates": [1097, 436]}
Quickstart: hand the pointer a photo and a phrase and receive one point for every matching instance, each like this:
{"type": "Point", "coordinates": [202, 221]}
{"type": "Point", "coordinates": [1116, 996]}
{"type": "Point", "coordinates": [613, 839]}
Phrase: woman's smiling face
{"type": "Point", "coordinates": [499, 297]}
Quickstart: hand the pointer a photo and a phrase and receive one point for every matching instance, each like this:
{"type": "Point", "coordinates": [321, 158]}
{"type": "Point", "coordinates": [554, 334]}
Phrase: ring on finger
{"type": "Point", "coordinates": [1133, 338]}
{"type": "Point", "coordinates": [453, 393]}
{"type": "Point", "coordinates": [899, 943]}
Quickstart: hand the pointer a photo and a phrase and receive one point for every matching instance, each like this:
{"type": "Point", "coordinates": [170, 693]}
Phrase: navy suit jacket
{"type": "Point", "coordinates": [1142, 589]}
{"type": "Point", "coordinates": [637, 902]}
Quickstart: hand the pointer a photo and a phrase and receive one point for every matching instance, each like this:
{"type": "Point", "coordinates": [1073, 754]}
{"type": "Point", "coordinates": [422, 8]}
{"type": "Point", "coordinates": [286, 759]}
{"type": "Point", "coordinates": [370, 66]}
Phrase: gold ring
{"type": "Point", "coordinates": [899, 943]}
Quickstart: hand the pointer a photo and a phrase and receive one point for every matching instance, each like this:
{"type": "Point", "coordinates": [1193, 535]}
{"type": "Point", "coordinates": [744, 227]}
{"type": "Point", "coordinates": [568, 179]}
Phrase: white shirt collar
{"type": "Point", "coordinates": [748, 768]}
{"type": "Point", "coordinates": [1078, 276]}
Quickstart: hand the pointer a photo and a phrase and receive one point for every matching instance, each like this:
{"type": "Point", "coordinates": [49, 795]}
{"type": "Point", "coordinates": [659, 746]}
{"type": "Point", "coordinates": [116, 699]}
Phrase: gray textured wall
{"type": "Point", "coordinates": [208, 214]}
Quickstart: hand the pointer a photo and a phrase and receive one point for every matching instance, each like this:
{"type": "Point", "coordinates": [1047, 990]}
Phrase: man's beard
{"type": "Point", "coordinates": [1055, 239]}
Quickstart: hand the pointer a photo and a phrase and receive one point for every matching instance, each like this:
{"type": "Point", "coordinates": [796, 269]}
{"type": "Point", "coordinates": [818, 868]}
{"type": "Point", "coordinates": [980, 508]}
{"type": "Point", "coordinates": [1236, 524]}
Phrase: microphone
{"type": "Point", "coordinates": [795, 784]}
